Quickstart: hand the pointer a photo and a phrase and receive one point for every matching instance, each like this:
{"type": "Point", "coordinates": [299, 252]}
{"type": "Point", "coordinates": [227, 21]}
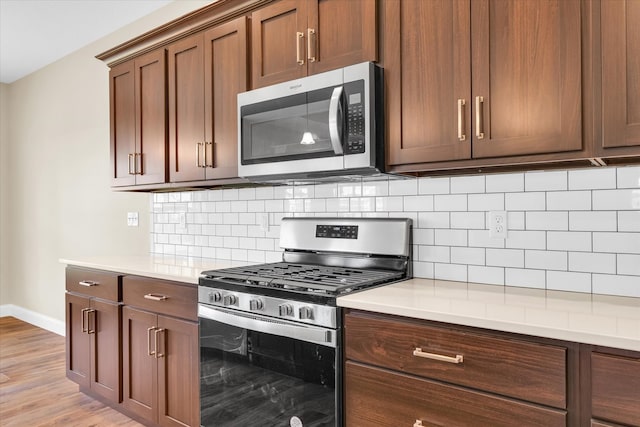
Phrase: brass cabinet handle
{"type": "Point", "coordinates": [311, 46]}
{"type": "Point", "coordinates": [88, 283]}
{"type": "Point", "coordinates": [419, 353]}
{"type": "Point", "coordinates": [157, 352]}
{"type": "Point", "coordinates": [90, 329]}
{"type": "Point", "coordinates": [479, 124]}
{"type": "Point", "coordinates": [198, 144]}
{"type": "Point", "coordinates": [137, 167]}
{"type": "Point", "coordinates": [149, 351]}
{"type": "Point", "coordinates": [461, 135]}
{"type": "Point", "coordinates": [83, 323]}
{"type": "Point", "coordinates": [208, 148]}
{"type": "Point", "coordinates": [130, 170]}
{"type": "Point", "coordinates": [156, 297]}
{"type": "Point", "coordinates": [299, 47]}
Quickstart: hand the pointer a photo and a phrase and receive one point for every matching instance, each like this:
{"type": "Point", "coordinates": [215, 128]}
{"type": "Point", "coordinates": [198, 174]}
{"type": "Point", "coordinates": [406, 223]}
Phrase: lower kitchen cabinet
{"type": "Point", "coordinates": [160, 354]}
{"type": "Point", "coordinates": [93, 332]}
{"type": "Point", "coordinates": [402, 371]}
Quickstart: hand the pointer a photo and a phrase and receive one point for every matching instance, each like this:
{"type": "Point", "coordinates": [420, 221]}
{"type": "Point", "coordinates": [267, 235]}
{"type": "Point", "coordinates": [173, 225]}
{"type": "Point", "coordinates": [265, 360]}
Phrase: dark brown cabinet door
{"type": "Point", "coordinates": [620, 40]}
{"type": "Point", "coordinates": [122, 108]}
{"type": "Point", "coordinates": [77, 340]}
{"type": "Point", "coordinates": [428, 76]}
{"type": "Point", "coordinates": [186, 109]}
{"type": "Point", "coordinates": [295, 38]}
{"type": "Point", "coordinates": [178, 373]}
{"type": "Point", "coordinates": [225, 58]}
{"type": "Point", "coordinates": [151, 129]}
{"type": "Point", "coordinates": [140, 369]}
{"type": "Point", "coordinates": [340, 33]}
{"type": "Point", "coordinates": [104, 328]}
{"type": "Point", "coordinates": [278, 34]}
{"type": "Point", "coordinates": [526, 77]}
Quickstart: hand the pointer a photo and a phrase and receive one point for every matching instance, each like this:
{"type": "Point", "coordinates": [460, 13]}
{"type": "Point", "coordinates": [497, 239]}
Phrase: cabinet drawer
{"type": "Point", "coordinates": [159, 296]}
{"type": "Point", "coordinates": [513, 368]}
{"type": "Point", "coordinates": [615, 388]}
{"type": "Point", "coordinates": [377, 397]}
{"type": "Point", "coordinates": [95, 283]}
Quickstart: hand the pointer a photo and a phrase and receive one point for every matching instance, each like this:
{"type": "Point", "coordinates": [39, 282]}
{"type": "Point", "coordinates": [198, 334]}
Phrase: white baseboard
{"type": "Point", "coordinates": [37, 319]}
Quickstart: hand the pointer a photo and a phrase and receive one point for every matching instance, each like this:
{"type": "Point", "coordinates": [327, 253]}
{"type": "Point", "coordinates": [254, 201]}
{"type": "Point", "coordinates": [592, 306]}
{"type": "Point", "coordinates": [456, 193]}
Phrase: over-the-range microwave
{"type": "Point", "coordinates": [318, 127]}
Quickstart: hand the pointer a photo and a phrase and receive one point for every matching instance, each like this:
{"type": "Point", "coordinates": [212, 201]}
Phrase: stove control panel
{"type": "Point", "coordinates": [279, 308]}
{"type": "Point", "coordinates": [337, 231]}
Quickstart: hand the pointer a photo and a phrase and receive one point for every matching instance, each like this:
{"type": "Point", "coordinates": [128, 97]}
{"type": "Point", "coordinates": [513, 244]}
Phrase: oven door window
{"type": "Point", "coordinates": [294, 127]}
{"type": "Point", "coordinates": [252, 378]}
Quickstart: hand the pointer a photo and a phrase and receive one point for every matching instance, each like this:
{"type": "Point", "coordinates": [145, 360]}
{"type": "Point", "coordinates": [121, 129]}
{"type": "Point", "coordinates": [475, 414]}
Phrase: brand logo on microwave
{"type": "Point", "coordinates": [298, 86]}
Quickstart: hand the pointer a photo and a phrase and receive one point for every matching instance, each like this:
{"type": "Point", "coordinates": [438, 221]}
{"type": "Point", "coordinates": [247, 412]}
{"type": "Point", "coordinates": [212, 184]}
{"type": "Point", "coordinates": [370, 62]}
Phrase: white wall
{"type": "Point", "coordinates": [59, 201]}
{"type": "Point", "coordinates": [4, 196]}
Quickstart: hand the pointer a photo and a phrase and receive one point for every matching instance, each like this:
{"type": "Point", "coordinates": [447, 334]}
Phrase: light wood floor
{"type": "Point", "coordinates": [34, 390]}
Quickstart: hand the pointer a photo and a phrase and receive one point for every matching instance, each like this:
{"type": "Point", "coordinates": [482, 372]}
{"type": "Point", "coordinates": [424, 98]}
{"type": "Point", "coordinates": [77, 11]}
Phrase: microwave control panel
{"type": "Point", "coordinates": [355, 118]}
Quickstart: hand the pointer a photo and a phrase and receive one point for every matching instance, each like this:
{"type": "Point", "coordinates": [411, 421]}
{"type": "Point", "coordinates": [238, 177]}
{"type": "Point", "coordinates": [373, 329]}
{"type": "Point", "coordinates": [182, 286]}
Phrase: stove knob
{"type": "Point", "coordinates": [285, 310]}
{"type": "Point", "coordinates": [255, 305]}
{"type": "Point", "coordinates": [306, 313]}
{"type": "Point", "coordinates": [229, 299]}
{"type": "Point", "coordinates": [215, 296]}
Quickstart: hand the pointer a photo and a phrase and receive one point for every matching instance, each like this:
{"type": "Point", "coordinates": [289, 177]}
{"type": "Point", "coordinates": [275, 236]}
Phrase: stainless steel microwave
{"type": "Point", "coordinates": [322, 126]}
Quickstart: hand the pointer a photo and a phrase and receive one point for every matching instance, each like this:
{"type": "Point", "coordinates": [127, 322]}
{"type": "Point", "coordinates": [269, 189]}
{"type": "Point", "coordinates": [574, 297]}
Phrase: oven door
{"type": "Point", "coordinates": [260, 371]}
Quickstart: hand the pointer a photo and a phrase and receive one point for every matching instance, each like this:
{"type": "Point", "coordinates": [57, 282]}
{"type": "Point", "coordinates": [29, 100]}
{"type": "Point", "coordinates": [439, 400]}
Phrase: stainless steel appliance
{"type": "Point", "coordinates": [271, 334]}
{"type": "Point", "coordinates": [320, 126]}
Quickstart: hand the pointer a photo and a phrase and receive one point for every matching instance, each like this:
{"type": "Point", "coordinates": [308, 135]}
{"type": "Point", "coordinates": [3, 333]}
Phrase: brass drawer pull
{"type": "Point", "coordinates": [157, 352]}
{"type": "Point", "coordinates": [88, 283]}
{"type": "Point", "coordinates": [461, 134]}
{"type": "Point", "coordinates": [149, 351]}
{"type": "Point", "coordinates": [90, 329]}
{"type": "Point", "coordinates": [419, 353]}
{"type": "Point", "coordinates": [84, 322]}
{"type": "Point", "coordinates": [299, 47]}
{"type": "Point", "coordinates": [479, 119]}
{"type": "Point", "coordinates": [311, 45]}
{"type": "Point", "coordinates": [156, 297]}
{"type": "Point", "coordinates": [131, 171]}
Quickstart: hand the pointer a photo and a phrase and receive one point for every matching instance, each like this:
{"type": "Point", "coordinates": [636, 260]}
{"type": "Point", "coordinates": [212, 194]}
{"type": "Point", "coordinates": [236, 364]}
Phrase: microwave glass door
{"type": "Point", "coordinates": [294, 127]}
{"type": "Point", "coordinates": [251, 378]}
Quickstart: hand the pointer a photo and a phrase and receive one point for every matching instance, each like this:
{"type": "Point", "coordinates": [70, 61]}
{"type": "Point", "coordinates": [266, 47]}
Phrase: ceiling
{"type": "Point", "coordinates": [35, 33]}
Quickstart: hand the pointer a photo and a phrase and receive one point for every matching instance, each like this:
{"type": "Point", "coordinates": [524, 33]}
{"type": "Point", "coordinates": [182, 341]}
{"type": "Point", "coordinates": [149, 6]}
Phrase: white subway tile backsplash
{"type": "Point", "coordinates": [629, 177]}
{"type": "Point", "coordinates": [524, 201]}
{"type": "Point", "coordinates": [547, 221]}
{"type": "Point", "coordinates": [628, 265]}
{"type": "Point", "coordinates": [467, 184]}
{"type": "Point", "coordinates": [626, 286]}
{"type": "Point", "coordinates": [591, 179]}
{"type": "Point", "coordinates": [616, 200]}
{"type": "Point", "coordinates": [505, 257]}
{"type": "Point", "coordinates": [617, 242]}
{"type": "Point", "coordinates": [526, 278]}
{"type": "Point", "coordinates": [569, 241]}
{"type": "Point", "coordinates": [489, 275]}
{"type": "Point", "coordinates": [576, 230]}
{"type": "Point", "coordinates": [593, 221]}
{"type": "Point", "coordinates": [545, 181]}
{"type": "Point", "coordinates": [591, 262]}
{"type": "Point", "coordinates": [450, 202]}
{"type": "Point", "coordinates": [569, 281]}
{"type": "Point", "coordinates": [505, 183]}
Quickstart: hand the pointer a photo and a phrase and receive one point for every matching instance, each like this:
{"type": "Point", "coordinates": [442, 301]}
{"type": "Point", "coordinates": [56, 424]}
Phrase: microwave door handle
{"type": "Point", "coordinates": [335, 115]}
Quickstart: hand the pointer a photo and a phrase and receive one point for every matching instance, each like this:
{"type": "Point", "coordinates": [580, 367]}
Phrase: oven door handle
{"type": "Point", "coordinates": [335, 120]}
{"type": "Point", "coordinates": [283, 328]}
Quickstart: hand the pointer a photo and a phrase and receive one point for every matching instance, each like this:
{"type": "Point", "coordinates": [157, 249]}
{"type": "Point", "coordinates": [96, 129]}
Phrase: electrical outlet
{"type": "Point", "coordinates": [498, 224]}
{"type": "Point", "coordinates": [132, 219]}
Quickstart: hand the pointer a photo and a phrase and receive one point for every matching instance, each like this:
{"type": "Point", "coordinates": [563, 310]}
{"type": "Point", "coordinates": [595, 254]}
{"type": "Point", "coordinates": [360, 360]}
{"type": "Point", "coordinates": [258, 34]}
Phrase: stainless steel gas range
{"type": "Point", "coordinates": [271, 334]}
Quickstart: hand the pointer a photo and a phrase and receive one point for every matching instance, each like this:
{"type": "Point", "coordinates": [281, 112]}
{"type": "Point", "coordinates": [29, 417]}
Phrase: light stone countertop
{"type": "Point", "coordinates": [167, 267]}
{"type": "Point", "coordinates": [585, 318]}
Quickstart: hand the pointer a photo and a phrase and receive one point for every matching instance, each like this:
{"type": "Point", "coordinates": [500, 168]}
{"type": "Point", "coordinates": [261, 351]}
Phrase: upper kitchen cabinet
{"type": "Point", "coordinates": [481, 79]}
{"type": "Point", "coordinates": [206, 72]}
{"type": "Point", "coordinates": [620, 58]}
{"type": "Point", "coordinates": [138, 124]}
{"type": "Point", "coordinates": [296, 38]}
